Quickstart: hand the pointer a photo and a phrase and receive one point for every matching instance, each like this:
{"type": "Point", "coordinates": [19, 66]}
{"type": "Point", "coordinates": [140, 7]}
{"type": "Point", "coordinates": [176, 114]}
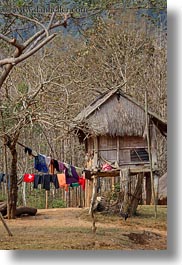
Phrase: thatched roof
{"type": "Point", "coordinates": [115, 114]}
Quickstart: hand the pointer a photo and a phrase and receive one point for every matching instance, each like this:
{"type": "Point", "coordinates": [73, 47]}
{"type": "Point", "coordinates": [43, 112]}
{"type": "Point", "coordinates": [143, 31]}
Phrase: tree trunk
{"type": "Point", "coordinates": [137, 195]}
{"type": "Point", "coordinates": [13, 192]}
{"type": "Point", "coordinates": [12, 180]}
{"type": "Point", "coordinates": [26, 211]}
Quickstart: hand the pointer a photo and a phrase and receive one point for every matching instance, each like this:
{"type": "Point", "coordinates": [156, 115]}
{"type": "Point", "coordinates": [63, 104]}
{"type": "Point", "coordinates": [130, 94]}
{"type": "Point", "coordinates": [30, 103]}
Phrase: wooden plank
{"type": "Point", "coordinates": [5, 225]}
{"type": "Point", "coordinates": [139, 169]}
{"type": "Point", "coordinates": [110, 173]}
{"type": "Point", "coordinates": [122, 148]}
{"type": "Point", "coordinates": [132, 142]}
{"type": "Point", "coordinates": [116, 172]}
{"type": "Point", "coordinates": [134, 163]}
{"type": "Point", "coordinates": [96, 147]}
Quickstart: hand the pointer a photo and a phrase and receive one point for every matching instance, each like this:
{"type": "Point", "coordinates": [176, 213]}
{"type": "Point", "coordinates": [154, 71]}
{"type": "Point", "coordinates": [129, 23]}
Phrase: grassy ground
{"type": "Point", "coordinates": [70, 228]}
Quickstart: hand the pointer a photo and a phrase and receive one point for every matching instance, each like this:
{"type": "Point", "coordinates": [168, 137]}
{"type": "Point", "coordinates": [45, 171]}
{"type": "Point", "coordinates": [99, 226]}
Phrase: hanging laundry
{"type": "Point", "coordinates": [54, 180]}
{"type": "Point", "coordinates": [2, 175]}
{"type": "Point", "coordinates": [28, 150]}
{"type": "Point", "coordinates": [51, 167]}
{"type": "Point", "coordinates": [79, 170]}
{"type": "Point", "coordinates": [62, 181]}
{"type": "Point", "coordinates": [73, 185]}
{"type": "Point", "coordinates": [45, 181]}
{"type": "Point", "coordinates": [48, 160]}
{"type": "Point", "coordinates": [61, 166]}
{"type": "Point", "coordinates": [68, 170]}
{"type": "Point", "coordinates": [82, 182]}
{"type": "Point", "coordinates": [74, 172]}
{"type": "Point", "coordinates": [106, 167]}
{"type": "Point", "coordinates": [37, 181]}
{"type": "Point", "coordinates": [56, 165]}
{"type": "Point", "coordinates": [28, 178]}
{"type": "Point", "coordinates": [40, 163]}
{"type": "Point", "coordinates": [73, 177]}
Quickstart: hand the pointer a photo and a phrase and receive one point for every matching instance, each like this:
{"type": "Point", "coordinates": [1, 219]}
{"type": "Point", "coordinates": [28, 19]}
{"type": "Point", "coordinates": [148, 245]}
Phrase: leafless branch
{"type": "Point", "coordinates": [21, 58]}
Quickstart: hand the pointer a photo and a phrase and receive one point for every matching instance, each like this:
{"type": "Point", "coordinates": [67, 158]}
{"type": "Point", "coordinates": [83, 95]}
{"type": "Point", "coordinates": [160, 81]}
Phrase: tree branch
{"type": "Point", "coordinates": [13, 42]}
{"type": "Point", "coordinates": [24, 56]}
{"type": "Point", "coordinates": [32, 20]}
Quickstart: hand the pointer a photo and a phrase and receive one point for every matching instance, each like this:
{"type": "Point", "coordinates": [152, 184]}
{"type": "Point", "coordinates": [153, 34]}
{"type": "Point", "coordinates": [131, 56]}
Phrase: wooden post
{"type": "Point", "coordinates": [137, 194]}
{"type": "Point", "coordinates": [91, 210]}
{"type": "Point", "coordinates": [46, 204]}
{"type": "Point", "coordinates": [24, 194]}
{"type": "Point", "coordinates": [156, 187]}
{"type": "Point", "coordinates": [125, 204]}
{"type": "Point", "coordinates": [5, 225]}
{"type": "Point", "coordinates": [88, 192]}
{"type": "Point", "coordinates": [154, 160]}
{"type": "Point", "coordinates": [148, 189]}
{"type": "Point", "coordinates": [149, 152]}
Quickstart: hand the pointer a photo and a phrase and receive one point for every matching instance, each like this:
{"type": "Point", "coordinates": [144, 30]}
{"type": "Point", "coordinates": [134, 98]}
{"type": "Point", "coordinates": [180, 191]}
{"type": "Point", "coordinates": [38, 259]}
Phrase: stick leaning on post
{"type": "Point", "coordinates": [5, 225]}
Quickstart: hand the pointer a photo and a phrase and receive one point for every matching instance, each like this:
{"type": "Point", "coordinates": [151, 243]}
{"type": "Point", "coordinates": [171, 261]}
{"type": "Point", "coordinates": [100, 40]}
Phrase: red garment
{"type": "Point", "coordinates": [28, 178]}
{"type": "Point", "coordinates": [82, 182]}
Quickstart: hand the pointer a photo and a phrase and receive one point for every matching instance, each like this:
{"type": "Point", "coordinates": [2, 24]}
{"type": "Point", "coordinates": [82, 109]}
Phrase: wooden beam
{"type": "Point", "coordinates": [139, 170]}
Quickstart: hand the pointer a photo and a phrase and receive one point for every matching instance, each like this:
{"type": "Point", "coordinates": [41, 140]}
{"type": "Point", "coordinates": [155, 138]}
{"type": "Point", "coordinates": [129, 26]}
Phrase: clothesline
{"type": "Point", "coordinates": [27, 149]}
{"type": "Point", "coordinates": [67, 175]}
{"type": "Point", "coordinates": [48, 165]}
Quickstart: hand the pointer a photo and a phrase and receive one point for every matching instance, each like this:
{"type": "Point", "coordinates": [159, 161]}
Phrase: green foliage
{"type": "Point", "coordinates": [58, 203]}
{"type": "Point", "coordinates": [115, 192]}
{"type": "Point", "coordinates": [22, 88]}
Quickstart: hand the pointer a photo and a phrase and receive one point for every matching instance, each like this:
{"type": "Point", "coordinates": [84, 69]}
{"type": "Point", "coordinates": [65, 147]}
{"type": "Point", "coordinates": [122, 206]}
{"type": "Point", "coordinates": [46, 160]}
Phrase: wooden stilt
{"type": "Point", "coordinates": [5, 225]}
{"type": "Point", "coordinates": [91, 210]}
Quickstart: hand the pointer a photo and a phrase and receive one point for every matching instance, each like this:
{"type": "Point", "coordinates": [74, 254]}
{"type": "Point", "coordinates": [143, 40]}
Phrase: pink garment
{"type": "Point", "coordinates": [106, 167]}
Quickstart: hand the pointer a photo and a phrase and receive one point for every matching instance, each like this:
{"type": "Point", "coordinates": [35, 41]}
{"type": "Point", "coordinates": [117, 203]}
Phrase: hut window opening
{"type": "Point", "coordinates": [139, 154]}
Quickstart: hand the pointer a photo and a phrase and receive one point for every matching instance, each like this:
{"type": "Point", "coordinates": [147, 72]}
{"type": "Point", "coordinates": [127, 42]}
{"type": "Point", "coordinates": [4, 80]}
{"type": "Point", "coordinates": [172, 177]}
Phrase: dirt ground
{"type": "Point", "coordinates": [70, 229]}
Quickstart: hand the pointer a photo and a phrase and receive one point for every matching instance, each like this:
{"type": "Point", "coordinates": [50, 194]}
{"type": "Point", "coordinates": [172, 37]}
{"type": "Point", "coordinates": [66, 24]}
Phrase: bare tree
{"type": "Point", "coordinates": [22, 51]}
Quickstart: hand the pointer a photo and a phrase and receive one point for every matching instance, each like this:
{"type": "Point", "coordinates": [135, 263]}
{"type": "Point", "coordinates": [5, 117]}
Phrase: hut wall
{"type": "Point", "coordinates": [127, 144]}
{"type": "Point", "coordinates": [114, 149]}
{"type": "Point", "coordinates": [108, 148]}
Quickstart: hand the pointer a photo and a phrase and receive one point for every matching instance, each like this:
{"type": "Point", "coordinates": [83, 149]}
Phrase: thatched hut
{"type": "Point", "coordinates": [113, 128]}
